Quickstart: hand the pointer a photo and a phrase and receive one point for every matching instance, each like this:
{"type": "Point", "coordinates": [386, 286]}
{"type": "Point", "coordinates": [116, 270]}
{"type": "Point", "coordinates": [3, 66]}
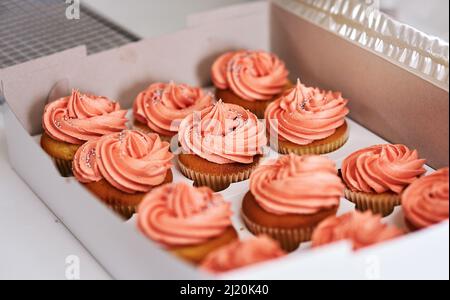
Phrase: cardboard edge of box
{"type": "Point", "coordinates": [21, 139]}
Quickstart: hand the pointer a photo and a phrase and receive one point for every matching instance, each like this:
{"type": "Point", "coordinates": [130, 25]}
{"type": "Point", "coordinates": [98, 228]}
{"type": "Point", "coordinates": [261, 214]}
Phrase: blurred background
{"type": "Point", "coordinates": [34, 28]}
{"type": "Point", "coordinates": [153, 17]}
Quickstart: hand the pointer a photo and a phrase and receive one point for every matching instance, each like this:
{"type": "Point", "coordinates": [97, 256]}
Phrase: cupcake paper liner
{"type": "Point", "coordinates": [126, 211]}
{"type": "Point", "coordinates": [382, 204]}
{"type": "Point", "coordinates": [289, 239]}
{"type": "Point", "coordinates": [315, 149]}
{"type": "Point", "coordinates": [215, 182]}
{"type": "Point", "coordinates": [64, 166]}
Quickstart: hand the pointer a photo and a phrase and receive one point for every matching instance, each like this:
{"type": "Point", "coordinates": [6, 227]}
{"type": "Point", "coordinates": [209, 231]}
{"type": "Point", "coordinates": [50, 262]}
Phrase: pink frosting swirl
{"type": "Point", "coordinates": [303, 115]}
{"type": "Point", "coordinates": [425, 201]}
{"type": "Point", "coordinates": [362, 229]}
{"type": "Point", "coordinates": [82, 117]}
{"type": "Point", "coordinates": [162, 106]}
{"type": "Point", "coordinates": [382, 168]}
{"type": "Point", "coordinates": [241, 254]}
{"type": "Point", "coordinates": [85, 167]}
{"type": "Point", "coordinates": [223, 133]}
{"type": "Point", "coordinates": [297, 185]}
{"type": "Point", "coordinates": [252, 75]}
{"type": "Point", "coordinates": [181, 215]}
{"type": "Point", "coordinates": [130, 161]}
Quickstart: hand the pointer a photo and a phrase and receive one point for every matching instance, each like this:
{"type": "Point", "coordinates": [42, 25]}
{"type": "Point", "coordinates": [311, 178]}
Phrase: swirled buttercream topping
{"type": "Point", "coordinates": [362, 229]}
{"type": "Point", "coordinates": [130, 161]}
{"type": "Point", "coordinates": [252, 75]}
{"type": "Point", "coordinates": [382, 168]}
{"type": "Point", "coordinates": [162, 106]}
{"type": "Point", "coordinates": [297, 185]}
{"type": "Point", "coordinates": [241, 254]}
{"type": "Point", "coordinates": [425, 201]}
{"type": "Point", "coordinates": [303, 115]}
{"type": "Point", "coordinates": [181, 215]}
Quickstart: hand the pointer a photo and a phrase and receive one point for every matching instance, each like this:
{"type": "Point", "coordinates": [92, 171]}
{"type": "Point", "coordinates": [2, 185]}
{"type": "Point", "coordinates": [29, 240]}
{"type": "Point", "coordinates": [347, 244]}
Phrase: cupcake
{"type": "Point", "coordinates": [71, 121]}
{"type": "Point", "coordinates": [221, 144]}
{"type": "Point", "coordinates": [307, 121]}
{"type": "Point", "coordinates": [161, 107]}
{"type": "Point", "coordinates": [242, 254]}
{"type": "Point", "coordinates": [251, 79]}
{"type": "Point", "coordinates": [375, 177]}
{"type": "Point", "coordinates": [120, 168]}
{"type": "Point", "coordinates": [362, 229]}
{"type": "Point", "coordinates": [290, 196]}
{"type": "Point", "coordinates": [189, 222]}
{"type": "Point", "coordinates": [425, 201]}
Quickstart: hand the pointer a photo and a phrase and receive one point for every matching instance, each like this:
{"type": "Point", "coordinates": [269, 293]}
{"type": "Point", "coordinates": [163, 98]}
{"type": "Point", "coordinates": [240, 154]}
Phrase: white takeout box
{"type": "Point", "coordinates": [395, 77]}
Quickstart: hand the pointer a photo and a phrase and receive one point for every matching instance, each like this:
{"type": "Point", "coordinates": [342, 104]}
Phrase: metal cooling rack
{"type": "Point", "coordinates": [35, 28]}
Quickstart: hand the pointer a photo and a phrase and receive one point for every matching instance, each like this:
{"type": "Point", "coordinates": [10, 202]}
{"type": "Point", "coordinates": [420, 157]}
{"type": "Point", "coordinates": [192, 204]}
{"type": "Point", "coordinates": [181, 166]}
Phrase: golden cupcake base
{"type": "Point", "coordinates": [217, 177]}
{"type": "Point", "coordinates": [61, 153]}
{"type": "Point", "coordinates": [120, 202]}
{"type": "Point", "coordinates": [382, 204]}
{"type": "Point", "coordinates": [289, 230]}
{"type": "Point", "coordinates": [197, 253]}
{"type": "Point", "coordinates": [324, 146]}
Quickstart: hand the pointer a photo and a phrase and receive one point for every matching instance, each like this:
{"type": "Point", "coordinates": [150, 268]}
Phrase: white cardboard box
{"type": "Point", "coordinates": [395, 100]}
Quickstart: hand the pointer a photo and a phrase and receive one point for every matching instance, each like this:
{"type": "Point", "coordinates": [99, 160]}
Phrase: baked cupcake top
{"type": "Point", "coordinates": [162, 106]}
{"type": "Point", "coordinates": [222, 134]}
{"type": "Point", "coordinates": [382, 168]}
{"type": "Point", "coordinates": [362, 229]}
{"type": "Point", "coordinates": [303, 115]}
{"type": "Point", "coordinates": [130, 161]}
{"type": "Point", "coordinates": [425, 201]}
{"type": "Point", "coordinates": [297, 185]}
{"type": "Point", "coordinates": [82, 117]}
{"type": "Point", "coordinates": [181, 215]}
{"type": "Point", "coordinates": [252, 75]}
{"type": "Point", "coordinates": [241, 254]}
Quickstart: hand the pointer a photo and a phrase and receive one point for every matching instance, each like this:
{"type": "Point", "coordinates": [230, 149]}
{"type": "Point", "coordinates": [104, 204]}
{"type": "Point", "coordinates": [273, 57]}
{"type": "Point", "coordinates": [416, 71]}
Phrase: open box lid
{"type": "Point", "coordinates": [390, 98]}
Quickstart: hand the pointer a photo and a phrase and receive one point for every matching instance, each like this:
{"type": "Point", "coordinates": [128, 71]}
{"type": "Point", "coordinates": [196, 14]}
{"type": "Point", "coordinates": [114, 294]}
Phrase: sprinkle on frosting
{"type": "Point", "coordinates": [252, 75]}
{"type": "Point", "coordinates": [223, 133]}
{"type": "Point", "coordinates": [382, 168]}
{"type": "Point", "coordinates": [362, 229]}
{"type": "Point", "coordinates": [162, 106]}
{"type": "Point", "coordinates": [181, 215]}
{"type": "Point", "coordinates": [303, 115]}
{"type": "Point", "coordinates": [82, 117]}
{"type": "Point", "coordinates": [425, 201]}
{"type": "Point", "coordinates": [297, 185]}
{"type": "Point", "coordinates": [130, 161]}
{"type": "Point", "coordinates": [241, 254]}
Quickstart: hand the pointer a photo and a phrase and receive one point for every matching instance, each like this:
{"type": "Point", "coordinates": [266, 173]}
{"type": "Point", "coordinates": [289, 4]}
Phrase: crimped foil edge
{"type": "Point", "coordinates": [363, 24]}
